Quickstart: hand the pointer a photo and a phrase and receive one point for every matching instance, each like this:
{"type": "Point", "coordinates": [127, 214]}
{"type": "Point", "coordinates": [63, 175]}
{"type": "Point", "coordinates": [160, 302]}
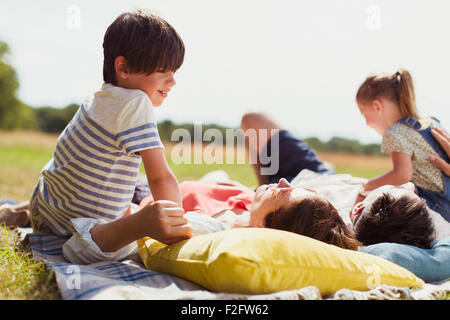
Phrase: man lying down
{"type": "Point", "coordinates": [302, 196]}
{"type": "Point", "coordinates": [328, 208]}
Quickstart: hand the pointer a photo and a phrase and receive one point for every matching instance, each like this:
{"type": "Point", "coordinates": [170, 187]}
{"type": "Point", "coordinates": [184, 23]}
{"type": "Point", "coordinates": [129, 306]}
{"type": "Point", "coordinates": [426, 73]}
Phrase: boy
{"type": "Point", "coordinates": [95, 164]}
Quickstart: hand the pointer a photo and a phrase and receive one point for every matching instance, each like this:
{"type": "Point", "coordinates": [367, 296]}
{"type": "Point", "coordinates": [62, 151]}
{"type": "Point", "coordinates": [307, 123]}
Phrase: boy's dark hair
{"type": "Point", "coordinates": [146, 41]}
{"type": "Point", "coordinates": [316, 218]}
{"type": "Point", "coordinates": [404, 220]}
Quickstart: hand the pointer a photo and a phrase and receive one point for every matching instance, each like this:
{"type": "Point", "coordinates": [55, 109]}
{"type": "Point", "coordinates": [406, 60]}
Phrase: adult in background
{"type": "Point", "coordinates": [386, 214]}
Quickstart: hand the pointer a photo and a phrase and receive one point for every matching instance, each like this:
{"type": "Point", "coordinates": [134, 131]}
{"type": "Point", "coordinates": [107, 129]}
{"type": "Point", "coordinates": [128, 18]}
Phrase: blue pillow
{"type": "Point", "coordinates": [428, 264]}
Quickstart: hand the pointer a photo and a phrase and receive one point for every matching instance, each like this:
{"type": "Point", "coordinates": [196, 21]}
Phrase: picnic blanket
{"type": "Point", "coordinates": [129, 279]}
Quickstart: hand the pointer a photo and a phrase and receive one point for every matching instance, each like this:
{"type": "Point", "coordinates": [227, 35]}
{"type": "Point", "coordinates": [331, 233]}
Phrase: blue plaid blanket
{"type": "Point", "coordinates": [129, 279]}
{"type": "Point", "coordinates": [108, 279]}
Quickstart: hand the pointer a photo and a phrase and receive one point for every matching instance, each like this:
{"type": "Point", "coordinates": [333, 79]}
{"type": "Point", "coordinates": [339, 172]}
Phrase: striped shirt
{"type": "Point", "coordinates": [95, 164]}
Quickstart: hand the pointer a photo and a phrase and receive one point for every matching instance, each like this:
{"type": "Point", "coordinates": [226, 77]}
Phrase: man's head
{"type": "Point", "coordinates": [142, 51]}
{"type": "Point", "coordinates": [394, 215]}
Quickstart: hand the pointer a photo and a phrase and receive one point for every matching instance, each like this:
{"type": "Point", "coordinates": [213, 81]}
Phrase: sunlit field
{"type": "Point", "coordinates": [23, 154]}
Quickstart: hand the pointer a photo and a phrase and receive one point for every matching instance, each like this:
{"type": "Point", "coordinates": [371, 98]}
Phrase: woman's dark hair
{"type": "Point", "coordinates": [146, 41]}
{"type": "Point", "coordinates": [314, 217]}
{"type": "Point", "coordinates": [402, 220]}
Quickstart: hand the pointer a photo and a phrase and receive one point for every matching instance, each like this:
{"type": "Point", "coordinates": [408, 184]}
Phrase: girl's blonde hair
{"type": "Point", "coordinates": [397, 87]}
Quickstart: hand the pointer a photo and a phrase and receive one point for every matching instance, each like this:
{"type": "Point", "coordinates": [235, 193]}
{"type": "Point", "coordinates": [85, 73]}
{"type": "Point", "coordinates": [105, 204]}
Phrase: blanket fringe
{"type": "Point", "coordinates": [432, 291]}
{"type": "Point", "coordinates": [383, 292]}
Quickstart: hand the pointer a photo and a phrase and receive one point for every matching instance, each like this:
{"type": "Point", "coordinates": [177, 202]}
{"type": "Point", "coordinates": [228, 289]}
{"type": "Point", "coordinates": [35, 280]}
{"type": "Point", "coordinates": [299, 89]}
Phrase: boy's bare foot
{"type": "Point", "coordinates": [11, 217]}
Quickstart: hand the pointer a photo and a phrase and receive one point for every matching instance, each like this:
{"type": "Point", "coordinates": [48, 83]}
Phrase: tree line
{"type": "Point", "coordinates": [15, 114]}
{"type": "Point", "coordinates": [335, 144]}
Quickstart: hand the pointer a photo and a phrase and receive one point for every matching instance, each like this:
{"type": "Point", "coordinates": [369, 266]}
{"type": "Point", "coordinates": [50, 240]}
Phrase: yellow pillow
{"type": "Point", "coordinates": [258, 261]}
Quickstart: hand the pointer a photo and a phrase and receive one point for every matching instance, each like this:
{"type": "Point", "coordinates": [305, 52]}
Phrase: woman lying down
{"type": "Point", "coordinates": [323, 207]}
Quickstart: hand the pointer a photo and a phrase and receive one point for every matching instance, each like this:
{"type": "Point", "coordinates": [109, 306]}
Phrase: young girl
{"type": "Point", "coordinates": [387, 102]}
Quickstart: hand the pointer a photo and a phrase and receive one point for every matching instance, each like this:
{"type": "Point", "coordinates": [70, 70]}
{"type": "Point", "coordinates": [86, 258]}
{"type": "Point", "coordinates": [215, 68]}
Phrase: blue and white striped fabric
{"type": "Point", "coordinates": [95, 164]}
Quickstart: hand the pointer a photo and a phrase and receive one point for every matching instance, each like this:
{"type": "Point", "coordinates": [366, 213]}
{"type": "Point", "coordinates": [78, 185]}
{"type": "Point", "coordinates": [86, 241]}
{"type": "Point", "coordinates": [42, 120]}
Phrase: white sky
{"type": "Point", "coordinates": [301, 61]}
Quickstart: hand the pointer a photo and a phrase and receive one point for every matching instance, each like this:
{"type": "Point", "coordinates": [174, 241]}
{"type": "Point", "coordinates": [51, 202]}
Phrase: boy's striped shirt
{"type": "Point", "coordinates": [95, 164]}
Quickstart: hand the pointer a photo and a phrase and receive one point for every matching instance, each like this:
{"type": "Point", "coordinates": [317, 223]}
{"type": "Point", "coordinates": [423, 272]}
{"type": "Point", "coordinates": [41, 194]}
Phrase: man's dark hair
{"type": "Point", "coordinates": [404, 220]}
{"type": "Point", "coordinates": [146, 41]}
{"type": "Point", "coordinates": [316, 218]}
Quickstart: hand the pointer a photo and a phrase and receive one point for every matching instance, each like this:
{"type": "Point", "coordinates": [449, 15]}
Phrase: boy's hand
{"type": "Point", "coordinates": [163, 221]}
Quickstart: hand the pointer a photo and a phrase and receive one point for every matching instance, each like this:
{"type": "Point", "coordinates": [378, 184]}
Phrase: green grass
{"type": "Point", "coordinates": [22, 278]}
{"type": "Point", "coordinates": [238, 172]}
{"type": "Point", "coordinates": [19, 170]}
{"type": "Point", "coordinates": [359, 172]}
{"type": "Point", "coordinates": [24, 157]}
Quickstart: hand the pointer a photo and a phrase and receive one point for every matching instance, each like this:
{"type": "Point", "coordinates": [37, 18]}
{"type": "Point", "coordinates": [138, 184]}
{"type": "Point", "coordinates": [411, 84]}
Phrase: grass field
{"type": "Point", "coordinates": [22, 156]}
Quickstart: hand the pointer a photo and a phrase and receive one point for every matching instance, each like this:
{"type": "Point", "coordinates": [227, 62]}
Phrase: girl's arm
{"type": "Point", "coordinates": [401, 173]}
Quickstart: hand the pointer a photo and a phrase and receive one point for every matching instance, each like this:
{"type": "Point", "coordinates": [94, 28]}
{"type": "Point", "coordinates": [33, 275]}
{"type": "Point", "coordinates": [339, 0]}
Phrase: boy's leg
{"type": "Point", "coordinates": [294, 154]}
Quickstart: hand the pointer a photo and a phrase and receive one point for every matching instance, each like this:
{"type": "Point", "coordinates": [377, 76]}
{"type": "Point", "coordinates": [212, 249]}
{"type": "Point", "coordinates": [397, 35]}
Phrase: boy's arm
{"type": "Point", "coordinates": [401, 173]}
{"type": "Point", "coordinates": [162, 220]}
{"type": "Point", "coordinates": [161, 180]}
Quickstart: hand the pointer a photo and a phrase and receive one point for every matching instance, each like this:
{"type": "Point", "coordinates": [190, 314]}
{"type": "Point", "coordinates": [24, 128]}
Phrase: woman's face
{"type": "Point", "coordinates": [362, 207]}
{"type": "Point", "coordinates": [271, 197]}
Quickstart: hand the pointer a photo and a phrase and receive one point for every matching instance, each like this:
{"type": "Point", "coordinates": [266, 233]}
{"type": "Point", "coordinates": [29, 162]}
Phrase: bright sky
{"type": "Point", "coordinates": [300, 61]}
